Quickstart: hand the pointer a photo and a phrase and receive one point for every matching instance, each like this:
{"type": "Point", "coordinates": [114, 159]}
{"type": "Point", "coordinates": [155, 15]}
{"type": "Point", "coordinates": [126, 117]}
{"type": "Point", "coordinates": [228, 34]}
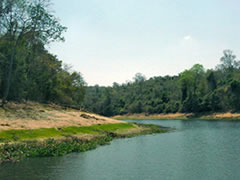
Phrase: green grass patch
{"type": "Point", "coordinates": [25, 143]}
{"type": "Point", "coordinates": [16, 135]}
{"type": "Point", "coordinates": [78, 130]}
{"type": "Point", "coordinates": [30, 134]}
{"type": "Point", "coordinates": [113, 127]}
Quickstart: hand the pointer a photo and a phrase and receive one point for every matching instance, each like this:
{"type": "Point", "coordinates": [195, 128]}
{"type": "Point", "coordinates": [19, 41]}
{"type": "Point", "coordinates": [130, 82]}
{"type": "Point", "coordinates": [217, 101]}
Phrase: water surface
{"type": "Point", "coordinates": [196, 150]}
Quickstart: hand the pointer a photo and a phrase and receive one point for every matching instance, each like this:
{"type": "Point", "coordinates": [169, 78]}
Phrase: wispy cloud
{"type": "Point", "coordinates": [188, 37]}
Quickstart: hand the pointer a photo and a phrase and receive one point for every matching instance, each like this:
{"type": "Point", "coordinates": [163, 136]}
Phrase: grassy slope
{"type": "Point", "coordinates": [16, 145]}
{"type": "Point", "coordinates": [34, 121]}
{"type": "Point", "coordinates": [36, 130]}
{"type": "Point", "coordinates": [33, 134]}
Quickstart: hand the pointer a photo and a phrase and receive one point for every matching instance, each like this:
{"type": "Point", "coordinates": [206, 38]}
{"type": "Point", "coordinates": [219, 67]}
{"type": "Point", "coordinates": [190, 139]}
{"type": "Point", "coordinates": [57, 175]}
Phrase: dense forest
{"type": "Point", "coordinates": [194, 90]}
{"type": "Point", "coordinates": [27, 70]}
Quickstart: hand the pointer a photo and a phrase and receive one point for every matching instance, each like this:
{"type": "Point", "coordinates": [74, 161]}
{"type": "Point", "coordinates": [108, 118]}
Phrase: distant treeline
{"type": "Point", "coordinates": [194, 90]}
{"type": "Point", "coordinates": [27, 70]}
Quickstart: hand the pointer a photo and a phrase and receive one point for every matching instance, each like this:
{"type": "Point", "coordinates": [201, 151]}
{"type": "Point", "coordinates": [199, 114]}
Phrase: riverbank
{"type": "Point", "coordinates": [15, 145]}
{"type": "Point", "coordinates": [38, 130]}
{"type": "Point", "coordinates": [180, 116]}
{"type": "Point", "coordinates": [32, 115]}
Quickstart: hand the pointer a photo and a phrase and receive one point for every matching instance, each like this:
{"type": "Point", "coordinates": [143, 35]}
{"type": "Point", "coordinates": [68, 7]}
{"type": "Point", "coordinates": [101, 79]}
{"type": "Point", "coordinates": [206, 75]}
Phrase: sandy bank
{"type": "Point", "coordinates": [181, 116]}
{"type": "Point", "coordinates": [34, 116]}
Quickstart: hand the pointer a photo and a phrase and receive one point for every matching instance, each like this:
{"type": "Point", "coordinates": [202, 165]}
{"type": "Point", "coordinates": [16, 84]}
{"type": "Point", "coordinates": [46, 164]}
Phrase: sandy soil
{"type": "Point", "coordinates": [34, 116]}
{"type": "Point", "coordinates": [155, 116]}
{"type": "Point", "coordinates": [227, 115]}
{"type": "Point", "coordinates": [213, 116]}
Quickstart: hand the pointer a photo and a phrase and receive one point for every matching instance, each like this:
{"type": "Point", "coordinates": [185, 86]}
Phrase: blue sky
{"type": "Point", "coordinates": [112, 40]}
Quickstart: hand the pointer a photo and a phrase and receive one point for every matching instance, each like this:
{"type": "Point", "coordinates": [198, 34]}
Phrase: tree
{"type": "Point", "coordinates": [229, 61]}
{"type": "Point", "coordinates": [190, 81]}
{"type": "Point", "coordinates": [186, 83]}
{"type": "Point", "coordinates": [235, 95]}
{"type": "Point", "coordinates": [79, 87]}
{"type": "Point", "coordinates": [138, 78]}
{"type": "Point", "coordinates": [198, 69]}
{"type": "Point", "coordinates": [211, 80]}
{"type": "Point", "coordinates": [194, 90]}
{"type": "Point", "coordinates": [27, 23]}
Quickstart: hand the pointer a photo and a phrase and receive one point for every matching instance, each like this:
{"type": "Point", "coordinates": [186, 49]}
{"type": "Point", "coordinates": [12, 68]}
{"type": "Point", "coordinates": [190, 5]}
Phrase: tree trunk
{"type": "Point", "coordinates": [9, 76]}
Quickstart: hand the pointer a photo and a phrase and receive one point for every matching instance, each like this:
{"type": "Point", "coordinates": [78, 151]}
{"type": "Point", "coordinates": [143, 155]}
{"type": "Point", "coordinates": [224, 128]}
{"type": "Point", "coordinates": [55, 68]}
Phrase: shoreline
{"type": "Point", "coordinates": [38, 130]}
{"type": "Point", "coordinates": [227, 116]}
{"type": "Point", "coordinates": [32, 115]}
{"type": "Point", "coordinates": [16, 145]}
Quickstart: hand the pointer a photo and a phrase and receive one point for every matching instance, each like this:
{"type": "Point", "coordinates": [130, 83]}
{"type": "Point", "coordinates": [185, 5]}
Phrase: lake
{"type": "Point", "coordinates": [195, 150]}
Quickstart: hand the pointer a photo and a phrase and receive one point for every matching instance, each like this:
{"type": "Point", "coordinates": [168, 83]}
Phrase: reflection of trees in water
{"type": "Point", "coordinates": [34, 168]}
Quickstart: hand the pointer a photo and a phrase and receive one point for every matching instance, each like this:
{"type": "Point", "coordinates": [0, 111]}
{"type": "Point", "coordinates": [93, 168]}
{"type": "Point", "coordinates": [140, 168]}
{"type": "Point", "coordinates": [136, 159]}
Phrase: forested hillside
{"type": "Point", "coordinates": [27, 70]}
{"type": "Point", "coordinates": [194, 90]}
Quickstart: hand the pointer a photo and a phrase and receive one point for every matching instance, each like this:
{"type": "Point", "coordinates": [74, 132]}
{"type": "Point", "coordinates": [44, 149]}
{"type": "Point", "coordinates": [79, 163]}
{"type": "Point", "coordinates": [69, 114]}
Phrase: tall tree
{"type": "Point", "coordinates": [26, 22]}
{"type": "Point", "coordinates": [229, 61]}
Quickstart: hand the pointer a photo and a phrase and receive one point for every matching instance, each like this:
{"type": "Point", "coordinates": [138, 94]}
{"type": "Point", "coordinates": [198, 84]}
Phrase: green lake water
{"type": "Point", "coordinates": [195, 150]}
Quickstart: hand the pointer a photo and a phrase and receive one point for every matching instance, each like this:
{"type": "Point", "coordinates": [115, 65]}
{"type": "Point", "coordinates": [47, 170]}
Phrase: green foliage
{"type": "Point", "coordinates": [15, 151]}
{"type": "Point", "coordinates": [194, 90]}
{"type": "Point", "coordinates": [48, 148]}
{"type": "Point", "coordinates": [234, 94]}
{"type": "Point", "coordinates": [27, 70]}
{"type": "Point", "coordinates": [229, 61]}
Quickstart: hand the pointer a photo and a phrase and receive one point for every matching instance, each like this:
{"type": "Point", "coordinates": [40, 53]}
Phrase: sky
{"type": "Point", "coordinates": [112, 40]}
